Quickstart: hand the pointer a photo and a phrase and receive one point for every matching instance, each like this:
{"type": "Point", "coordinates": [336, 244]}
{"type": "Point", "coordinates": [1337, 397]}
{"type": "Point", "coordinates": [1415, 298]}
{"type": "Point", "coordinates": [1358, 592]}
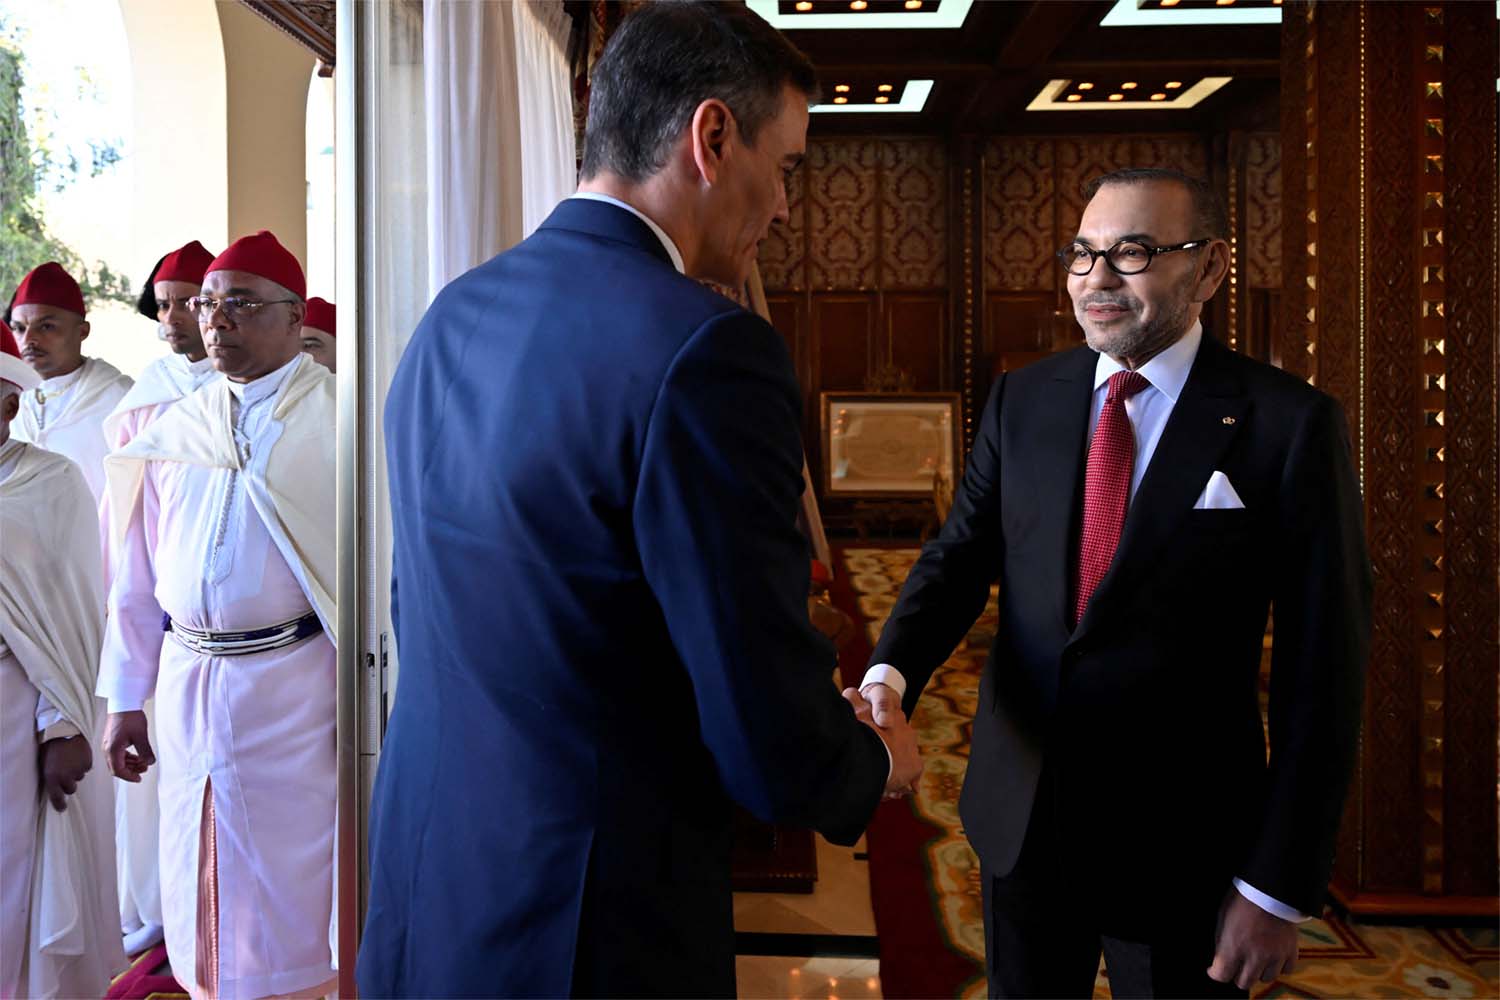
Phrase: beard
{"type": "Point", "coordinates": [1141, 338]}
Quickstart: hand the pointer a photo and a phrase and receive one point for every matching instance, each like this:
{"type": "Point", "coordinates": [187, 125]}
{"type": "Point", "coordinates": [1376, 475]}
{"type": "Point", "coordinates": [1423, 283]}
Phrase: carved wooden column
{"type": "Point", "coordinates": [1389, 304]}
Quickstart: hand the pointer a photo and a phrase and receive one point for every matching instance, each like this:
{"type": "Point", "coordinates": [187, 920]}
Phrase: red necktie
{"type": "Point", "coordinates": [1106, 490]}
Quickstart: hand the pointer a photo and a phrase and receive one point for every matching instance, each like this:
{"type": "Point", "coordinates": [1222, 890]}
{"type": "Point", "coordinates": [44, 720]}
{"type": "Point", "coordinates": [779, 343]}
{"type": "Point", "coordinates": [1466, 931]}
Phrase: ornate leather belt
{"type": "Point", "coordinates": [245, 642]}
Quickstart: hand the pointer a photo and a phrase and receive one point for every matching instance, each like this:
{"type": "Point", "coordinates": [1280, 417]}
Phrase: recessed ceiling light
{"type": "Point", "coordinates": [1128, 86]}
{"type": "Point", "coordinates": [842, 88]}
{"type": "Point", "coordinates": [1085, 86]}
{"type": "Point", "coordinates": [804, 5]}
{"type": "Point", "coordinates": [1170, 3]}
{"type": "Point", "coordinates": [948, 14]}
{"type": "Point", "coordinates": [885, 88]}
{"type": "Point", "coordinates": [1158, 13]}
{"type": "Point", "coordinates": [1224, 3]}
{"type": "Point", "coordinates": [1059, 95]}
{"type": "Point", "coordinates": [858, 4]}
{"type": "Point", "coordinates": [913, 4]}
{"type": "Point", "coordinates": [1173, 84]}
{"type": "Point", "coordinates": [912, 98]}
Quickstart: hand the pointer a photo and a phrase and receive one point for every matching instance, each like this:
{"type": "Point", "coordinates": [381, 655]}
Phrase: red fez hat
{"type": "Point", "coordinates": [320, 316]}
{"type": "Point", "coordinates": [263, 256]}
{"type": "Point", "coordinates": [12, 368]}
{"type": "Point", "coordinates": [49, 285]}
{"type": "Point", "coordinates": [187, 263]}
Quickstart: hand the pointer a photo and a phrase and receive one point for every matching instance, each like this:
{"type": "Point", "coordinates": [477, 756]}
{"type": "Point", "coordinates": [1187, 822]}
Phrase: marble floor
{"type": "Point", "coordinates": [838, 907]}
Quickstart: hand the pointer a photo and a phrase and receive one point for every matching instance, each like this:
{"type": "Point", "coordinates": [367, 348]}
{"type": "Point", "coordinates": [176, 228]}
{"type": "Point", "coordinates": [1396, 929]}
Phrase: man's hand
{"type": "Point", "coordinates": [885, 704]}
{"type": "Point", "coordinates": [1252, 944]}
{"type": "Point", "coordinates": [122, 732]}
{"type": "Point", "coordinates": [63, 763]}
{"type": "Point", "coordinates": [899, 738]}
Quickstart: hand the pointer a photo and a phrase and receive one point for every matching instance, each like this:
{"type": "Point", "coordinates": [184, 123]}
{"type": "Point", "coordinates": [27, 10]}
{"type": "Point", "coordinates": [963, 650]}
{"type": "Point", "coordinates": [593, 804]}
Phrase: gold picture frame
{"type": "Point", "coordinates": [888, 444]}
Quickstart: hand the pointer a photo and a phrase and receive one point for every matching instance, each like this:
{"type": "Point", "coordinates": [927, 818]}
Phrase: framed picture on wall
{"type": "Point", "coordinates": [888, 444]}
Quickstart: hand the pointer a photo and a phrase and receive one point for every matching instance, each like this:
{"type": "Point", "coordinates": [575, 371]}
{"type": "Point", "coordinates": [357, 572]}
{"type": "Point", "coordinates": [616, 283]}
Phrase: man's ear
{"type": "Point", "coordinates": [712, 124]}
{"type": "Point", "coordinates": [297, 313]}
{"type": "Point", "coordinates": [1215, 269]}
{"type": "Point", "coordinates": [10, 405]}
{"type": "Point", "coordinates": [83, 330]}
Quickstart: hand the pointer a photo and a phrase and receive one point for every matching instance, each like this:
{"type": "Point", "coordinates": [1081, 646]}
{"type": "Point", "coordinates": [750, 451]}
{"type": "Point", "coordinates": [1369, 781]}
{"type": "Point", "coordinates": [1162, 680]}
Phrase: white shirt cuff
{"type": "Point", "coordinates": [884, 673]}
{"type": "Point", "coordinates": [1274, 907]}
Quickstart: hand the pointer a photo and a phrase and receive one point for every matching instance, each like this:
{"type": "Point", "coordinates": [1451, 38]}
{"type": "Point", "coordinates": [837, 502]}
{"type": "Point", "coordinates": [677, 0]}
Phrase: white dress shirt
{"type": "Point", "coordinates": [661, 233]}
{"type": "Point", "coordinates": [1148, 411]}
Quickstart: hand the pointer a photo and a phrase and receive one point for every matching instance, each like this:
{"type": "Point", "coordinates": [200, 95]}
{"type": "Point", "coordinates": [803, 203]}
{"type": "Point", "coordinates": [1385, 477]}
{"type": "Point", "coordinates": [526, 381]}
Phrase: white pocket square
{"type": "Point", "coordinates": [1219, 495]}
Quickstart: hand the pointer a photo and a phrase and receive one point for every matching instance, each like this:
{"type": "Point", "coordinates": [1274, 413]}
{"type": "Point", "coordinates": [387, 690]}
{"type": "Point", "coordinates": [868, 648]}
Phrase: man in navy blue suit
{"type": "Point", "coordinates": [595, 475]}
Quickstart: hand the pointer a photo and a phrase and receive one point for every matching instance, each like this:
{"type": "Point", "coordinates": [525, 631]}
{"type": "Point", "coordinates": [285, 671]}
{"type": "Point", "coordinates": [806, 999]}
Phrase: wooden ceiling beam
{"type": "Point", "coordinates": [1036, 36]}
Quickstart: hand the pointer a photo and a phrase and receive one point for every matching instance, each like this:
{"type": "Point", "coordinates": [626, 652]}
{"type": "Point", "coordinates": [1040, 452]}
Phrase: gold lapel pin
{"type": "Point", "coordinates": [1229, 421]}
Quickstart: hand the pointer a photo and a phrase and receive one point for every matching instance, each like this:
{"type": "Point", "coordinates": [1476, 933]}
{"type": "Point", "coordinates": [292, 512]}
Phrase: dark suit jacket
{"type": "Point", "coordinates": [595, 470]}
{"type": "Point", "coordinates": [1145, 719]}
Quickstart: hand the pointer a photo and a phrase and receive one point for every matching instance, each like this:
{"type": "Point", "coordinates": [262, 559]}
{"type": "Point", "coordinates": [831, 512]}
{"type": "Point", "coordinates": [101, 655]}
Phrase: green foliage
{"type": "Point", "coordinates": [24, 239]}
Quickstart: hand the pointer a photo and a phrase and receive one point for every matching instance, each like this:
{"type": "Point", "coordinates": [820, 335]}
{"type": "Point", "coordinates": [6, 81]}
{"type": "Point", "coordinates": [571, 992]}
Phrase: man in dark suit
{"type": "Point", "coordinates": [1143, 502]}
{"type": "Point", "coordinates": [595, 477]}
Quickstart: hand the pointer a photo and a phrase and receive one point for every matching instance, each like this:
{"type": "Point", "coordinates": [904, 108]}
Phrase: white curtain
{"type": "Point", "coordinates": [499, 126]}
{"type": "Point", "coordinates": [548, 155]}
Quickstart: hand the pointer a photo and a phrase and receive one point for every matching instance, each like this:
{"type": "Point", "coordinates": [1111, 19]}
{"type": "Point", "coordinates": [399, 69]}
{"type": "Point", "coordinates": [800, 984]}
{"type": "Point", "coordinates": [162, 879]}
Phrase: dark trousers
{"type": "Point", "coordinates": [1047, 922]}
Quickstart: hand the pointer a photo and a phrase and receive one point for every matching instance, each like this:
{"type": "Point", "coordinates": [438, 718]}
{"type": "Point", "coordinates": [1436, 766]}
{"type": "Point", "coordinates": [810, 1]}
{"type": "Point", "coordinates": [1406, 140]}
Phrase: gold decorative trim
{"type": "Point", "coordinates": [1235, 157]}
{"type": "Point", "coordinates": [1431, 505]}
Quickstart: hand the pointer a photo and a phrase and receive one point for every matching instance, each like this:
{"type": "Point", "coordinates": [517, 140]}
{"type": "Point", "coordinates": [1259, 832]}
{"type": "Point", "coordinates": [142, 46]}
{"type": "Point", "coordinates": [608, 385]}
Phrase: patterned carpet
{"type": "Point", "coordinates": [921, 838]}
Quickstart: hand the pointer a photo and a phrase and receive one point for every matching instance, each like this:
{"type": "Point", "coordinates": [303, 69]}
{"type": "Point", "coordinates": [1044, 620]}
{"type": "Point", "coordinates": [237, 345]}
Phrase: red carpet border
{"type": "Point", "coordinates": [145, 979]}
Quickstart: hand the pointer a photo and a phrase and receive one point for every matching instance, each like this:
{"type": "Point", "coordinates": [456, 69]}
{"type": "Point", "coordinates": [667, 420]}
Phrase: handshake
{"type": "Point", "coordinates": [879, 707]}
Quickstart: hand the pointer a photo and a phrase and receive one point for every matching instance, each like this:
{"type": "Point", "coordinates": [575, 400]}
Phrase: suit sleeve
{"type": "Point", "coordinates": [716, 523]}
{"type": "Point", "coordinates": [947, 588]}
{"type": "Point", "coordinates": [1322, 639]}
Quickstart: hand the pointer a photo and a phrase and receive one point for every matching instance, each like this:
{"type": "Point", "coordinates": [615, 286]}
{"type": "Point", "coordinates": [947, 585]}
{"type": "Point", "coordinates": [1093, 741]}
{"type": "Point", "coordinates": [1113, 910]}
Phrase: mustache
{"type": "Point", "coordinates": [1118, 301]}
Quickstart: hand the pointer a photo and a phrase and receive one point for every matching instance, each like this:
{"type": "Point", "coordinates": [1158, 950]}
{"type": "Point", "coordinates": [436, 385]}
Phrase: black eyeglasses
{"type": "Point", "coordinates": [234, 306]}
{"type": "Point", "coordinates": [1125, 257]}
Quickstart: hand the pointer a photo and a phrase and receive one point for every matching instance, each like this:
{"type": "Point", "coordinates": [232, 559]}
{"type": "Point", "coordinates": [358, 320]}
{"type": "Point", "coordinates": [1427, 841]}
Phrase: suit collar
{"type": "Point", "coordinates": [660, 233]}
{"type": "Point", "coordinates": [607, 221]}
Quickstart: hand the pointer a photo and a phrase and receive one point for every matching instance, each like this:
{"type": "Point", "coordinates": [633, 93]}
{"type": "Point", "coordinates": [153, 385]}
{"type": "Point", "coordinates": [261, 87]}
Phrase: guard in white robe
{"type": "Point", "coordinates": [58, 934]}
{"type": "Point", "coordinates": [176, 278]}
{"type": "Point", "coordinates": [66, 412]}
{"type": "Point", "coordinates": [224, 521]}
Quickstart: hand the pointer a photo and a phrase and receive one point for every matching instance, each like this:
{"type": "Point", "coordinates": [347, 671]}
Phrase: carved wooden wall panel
{"type": "Point", "coordinates": [1263, 211]}
{"type": "Point", "coordinates": [1392, 428]}
{"type": "Point", "coordinates": [915, 326]}
{"type": "Point", "coordinates": [1015, 323]}
{"type": "Point", "coordinates": [1391, 123]}
{"type": "Point", "coordinates": [844, 340]}
{"type": "Point", "coordinates": [1299, 295]}
{"type": "Point", "coordinates": [913, 214]}
{"type": "Point", "coordinates": [1472, 525]}
{"type": "Point", "coordinates": [1019, 214]}
{"type": "Point", "coordinates": [842, 217]}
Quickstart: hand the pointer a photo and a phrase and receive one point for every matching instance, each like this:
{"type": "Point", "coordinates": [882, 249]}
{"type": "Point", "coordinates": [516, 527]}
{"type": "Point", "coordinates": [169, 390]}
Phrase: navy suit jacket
{"type": "Point", "coordinates": [595, 468]}
{"type": "Point", "coordinates": [1141, 728]}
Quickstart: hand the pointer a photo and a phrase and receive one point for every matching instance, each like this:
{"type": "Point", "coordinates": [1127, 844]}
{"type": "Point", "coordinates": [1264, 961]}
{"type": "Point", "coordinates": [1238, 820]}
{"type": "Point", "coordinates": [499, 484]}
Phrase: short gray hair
{"type": "Point", "coordinates": [669, 57]}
